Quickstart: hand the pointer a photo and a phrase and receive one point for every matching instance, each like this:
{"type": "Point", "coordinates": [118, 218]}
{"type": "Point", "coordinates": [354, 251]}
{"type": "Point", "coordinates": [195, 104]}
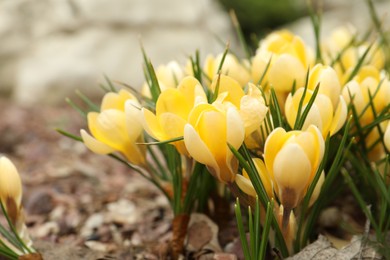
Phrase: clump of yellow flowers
{"type": "Point", "coordinates": [277, 129]}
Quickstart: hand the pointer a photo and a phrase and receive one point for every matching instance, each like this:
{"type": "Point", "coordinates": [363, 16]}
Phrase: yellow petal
{"type": "Point", "coordinates": [192, 91]}
{"type": "Point", "coordinates": [95, 145]}
{"type": "Point", "coordinates": [272, 145]}
{"type": "Point", "coordinates": [173, 101]}
{"type": "Point", "coordinates": [10, 183]}
{"type": "Point", "coordinates": [245, 185]}
{"type": "Point", "coordinates": [317, 189]}
{"type": "Point", "coordinates": [199, 150]}
{"type": "Point", "coordinates": [284, 71]}
{"type": "Point", "coordinates": [340, 117]}
{"type": "Point", "coordinates": [231, 86]}
{"type": "Point", "coordinates": [133, 120]}
{"type": "Point", "coordinates": [113, 100]}
{"type": "Point", "coordinates": [252, 109]}
{"type": "Point", "coordinates": [292, 170]}
{"type": "Point", "coordinates": [109, 127]}
{"type": "Point", "coordinates": [152, 126]}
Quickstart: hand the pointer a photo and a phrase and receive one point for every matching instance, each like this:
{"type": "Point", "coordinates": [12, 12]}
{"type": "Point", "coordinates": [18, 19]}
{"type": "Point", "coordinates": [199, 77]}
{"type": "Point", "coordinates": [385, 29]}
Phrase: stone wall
{"type": "Point", "coordinates": [49, 48]}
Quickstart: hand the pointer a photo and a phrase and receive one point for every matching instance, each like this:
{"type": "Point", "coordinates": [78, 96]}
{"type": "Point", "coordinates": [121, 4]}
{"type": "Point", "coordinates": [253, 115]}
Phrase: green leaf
{"type": "Point", "coordinates": [240, 227]}
{"type": "Point", "coordinates": [180, 138]}
{"type": "Point", "coordinates": [151, 77]}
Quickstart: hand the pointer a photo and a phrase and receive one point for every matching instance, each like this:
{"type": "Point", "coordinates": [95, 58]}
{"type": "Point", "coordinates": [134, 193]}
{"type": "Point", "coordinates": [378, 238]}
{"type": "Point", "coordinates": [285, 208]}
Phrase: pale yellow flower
{"type": "Point", "coordinates": [116, 128]}
{"type": "Point", "coordinates": [172, 110]}
{"type": "Point", "coordinates": [207, 134]}
{"type": "Point", "coordinates": [326, 78]}
{"type": "Point", "coordinates": [232, 67]}
{"type": "Point", "coordinates": [338, 46]}
{"type": "Point", "coordinates": [246, 185]}
{"type": "Point", "coordinates": [368, 82]}
{"type": "Point", "coordinates": [292, 159]}
{"type": "Point", "coordinates": [168, 76]}
{"type": "Point", "coordinates": [251, 105]}
{"type": "Point", "coordinates": [290, 58]}
{"type": "Point", "coordinates": [321, 114]}
{"type": "Point", "coordinates": [10, 188]}
{"type": "Point", "coordinates": [375, 148]}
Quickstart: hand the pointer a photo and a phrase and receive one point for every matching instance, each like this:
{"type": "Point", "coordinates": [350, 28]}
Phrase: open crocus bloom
{"type": "Point", "coordinates": [368, 85]}
{"type": "Point", "coordinates": [321, 114]}
{"type": "Point", "coordinates": [172, 110]}
{"type": "Point", "coordinates": [10, 188]}
{"type": "Point", "coordinates": [289, 57]}
{"type": "Point", "coordinates": [116, 128]}
{"type": "Point", "coordinates": [292, 159]}
{"type": "Point", "coordinates": [207, 134]}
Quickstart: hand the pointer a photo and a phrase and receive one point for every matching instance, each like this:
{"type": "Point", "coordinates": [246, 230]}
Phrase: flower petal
{"type": "Point", "coordinates": [95, 145]}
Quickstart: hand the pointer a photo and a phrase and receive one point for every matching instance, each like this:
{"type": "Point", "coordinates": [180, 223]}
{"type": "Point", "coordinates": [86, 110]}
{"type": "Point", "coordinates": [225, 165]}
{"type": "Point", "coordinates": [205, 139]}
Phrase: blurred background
{"type": "Point", "coordinates": [49, 48]}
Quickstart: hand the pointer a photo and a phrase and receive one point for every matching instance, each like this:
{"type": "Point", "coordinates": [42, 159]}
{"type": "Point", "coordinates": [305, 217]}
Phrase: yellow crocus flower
{"type": "Point", "coordinates": [232, 67]}
{"type": "Point", "coordinates": [10, 188]}
{"type": "Point", "coordinates": [326, 78]}
{"type": "Point", "coordinates": [172, 109]}
{"type": "Point", "coordinates": [368, 82]}
{"type": "Point", "coordinates": [321, 114]}
{"type": "Point", "coordinates": [207, 134]}
{"type": "Point", "coordinates": [168, 76]}
{"type": "Point", "coordinates": [289, 59]}
{"type": "Point", "coordinates": [116, 128]}
{"type": "Point", "coordinates": [292, 159]}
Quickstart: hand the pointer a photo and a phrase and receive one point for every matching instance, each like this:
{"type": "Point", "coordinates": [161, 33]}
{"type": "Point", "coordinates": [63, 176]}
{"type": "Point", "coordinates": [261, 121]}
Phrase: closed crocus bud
{"type": "Point", "coordinates": [321, 114]}
{"type": "Point", "coordinates": [172, 110]}
{"type": "Point", "coordinates": [386, 137]}
{"type": "Point", "coordinates": [209, 131]}
{"type": "Point", "coordinates": [369, 85]}
{"type": "Point", "coordinates": [290, 59]}
{"type": "Point", "coordinates": [168, 76]}
{"type": "Point", "coordinates": [246, 185]}
{"type": "Point", "coordinates": [232, 67]}
{"type": "Point", "coordinates": [328, 81]}
{"type": "Point", "coordinates": [292, 159]}
{"type": "Point", "coordinates": [251, 105]}
{"type": "Point", "coordinates": [10, 188]}
{"type": "Point", "coordinates": [117, 128]}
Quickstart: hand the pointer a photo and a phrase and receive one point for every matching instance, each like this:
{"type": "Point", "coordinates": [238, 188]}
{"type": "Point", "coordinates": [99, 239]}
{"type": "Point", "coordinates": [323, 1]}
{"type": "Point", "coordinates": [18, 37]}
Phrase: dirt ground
{"type": "Point", "coordinates": [80, 205]}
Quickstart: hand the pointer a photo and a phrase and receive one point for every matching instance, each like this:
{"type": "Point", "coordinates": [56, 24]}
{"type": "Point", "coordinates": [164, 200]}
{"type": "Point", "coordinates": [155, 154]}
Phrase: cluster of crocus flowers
{"type": "Point", "coordinates": [279, 103]}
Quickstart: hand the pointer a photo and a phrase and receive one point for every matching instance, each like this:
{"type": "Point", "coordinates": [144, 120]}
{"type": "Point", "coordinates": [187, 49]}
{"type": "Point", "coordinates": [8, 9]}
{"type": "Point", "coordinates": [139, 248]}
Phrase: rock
{"type": "Point", "coordinates": [51, 48]}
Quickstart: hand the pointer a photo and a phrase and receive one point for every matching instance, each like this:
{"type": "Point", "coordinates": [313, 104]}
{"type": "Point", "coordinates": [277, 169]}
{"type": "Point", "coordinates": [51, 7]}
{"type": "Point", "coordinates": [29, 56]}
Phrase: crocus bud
{"type": "Point", "coordinates": [328, 81]}
{"type": "Point", "coordinates": [322, 113]}
{"type": "Point", "coordinates": [289, 57]}
{"type": "Point", "coordinates": [369, 85]}
{"type": "Point", "coordinates": [292, 159]}
{"type": "Point", "coordinates": [10, 188]}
